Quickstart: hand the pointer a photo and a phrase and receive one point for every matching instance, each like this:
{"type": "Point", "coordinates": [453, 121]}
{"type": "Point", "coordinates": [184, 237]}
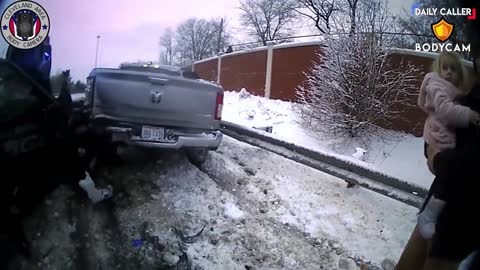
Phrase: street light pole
{"type": "Point", "coordinates": [96, 54]}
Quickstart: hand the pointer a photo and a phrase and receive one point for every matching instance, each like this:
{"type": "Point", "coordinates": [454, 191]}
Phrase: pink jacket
{"type": "Point", "coordinates": [438, 99]}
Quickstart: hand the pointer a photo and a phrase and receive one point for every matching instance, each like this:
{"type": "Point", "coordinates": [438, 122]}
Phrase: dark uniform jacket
{"type": "Point", "coordinates": [457, 182]}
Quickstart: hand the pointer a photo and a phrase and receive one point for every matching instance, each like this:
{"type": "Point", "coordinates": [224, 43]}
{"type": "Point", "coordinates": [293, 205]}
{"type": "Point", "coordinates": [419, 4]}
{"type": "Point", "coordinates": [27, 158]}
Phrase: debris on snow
{"type": "Point", "coordinates": [249, 114]}
{"type": "Point", "coordinates": [242, 182]}
{"type": "Point", "coordinates": [263, 207]}
{"type": "Point", "coordinates": [359, 153]}
{"type": "Point", "coordinates": [268, 129]}
{"type": "Point", "coordinates": [94, 194]}
{"type": "Point", "coordinates": [184, 263]}
{"type": "Point", "coordinates": [137, 243]}
{"type": "Point", "coordinates": [155, 196]}
{"type": "Point", "coordinates": [232, 211]}
{"type": "Point", "coordinates": [250, 171]}
{"type": "Point", "coordinates": [214, 240]}
{"type": "Point", "coordinates": [350, 184]}
{"type": "Point", "coordinates": [189, 239]}
{"type": "Point", "coordinates": [243, 94]}
{"type": "Point", "coordinates": [171, 259]}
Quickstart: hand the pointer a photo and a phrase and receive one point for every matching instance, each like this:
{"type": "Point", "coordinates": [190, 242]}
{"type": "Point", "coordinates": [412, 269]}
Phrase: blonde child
{"type": "Point", "coordinates": [439, 95]}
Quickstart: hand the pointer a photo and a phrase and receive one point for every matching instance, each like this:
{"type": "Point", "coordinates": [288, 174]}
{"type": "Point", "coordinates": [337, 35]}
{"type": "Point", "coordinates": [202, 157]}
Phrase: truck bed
{"type": "Point", "coordinates": [155, 99]}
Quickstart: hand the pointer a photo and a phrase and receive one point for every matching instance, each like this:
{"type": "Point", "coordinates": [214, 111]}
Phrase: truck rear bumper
{"type": "Point", "coordinates": [210, 141]}
{"type": "Point", "coordinates": [130, 134]}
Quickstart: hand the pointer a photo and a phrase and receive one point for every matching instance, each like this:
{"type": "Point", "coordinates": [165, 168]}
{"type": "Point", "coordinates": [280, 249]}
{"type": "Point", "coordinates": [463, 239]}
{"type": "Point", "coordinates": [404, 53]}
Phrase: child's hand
{"type": "Point", "coordinates": [474, 118]}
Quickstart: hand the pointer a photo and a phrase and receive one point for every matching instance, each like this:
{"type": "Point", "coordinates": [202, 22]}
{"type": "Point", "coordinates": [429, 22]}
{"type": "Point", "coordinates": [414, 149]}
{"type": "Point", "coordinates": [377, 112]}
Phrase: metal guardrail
{"type": "Point", "coordinates": [348, 169]}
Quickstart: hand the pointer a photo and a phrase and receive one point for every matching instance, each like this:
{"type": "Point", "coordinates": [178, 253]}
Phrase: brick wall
{"type": "Point", "coordinates": [245, 71]}
{"type": "Point", "coordinates": [207, 70]}
{"type": "Point", "coordinates": [289, 66]}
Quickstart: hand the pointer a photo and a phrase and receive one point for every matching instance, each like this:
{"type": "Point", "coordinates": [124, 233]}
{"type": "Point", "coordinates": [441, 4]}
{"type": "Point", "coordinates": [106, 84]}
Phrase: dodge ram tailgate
{"type": "Point", "coordinates": [156, 99]}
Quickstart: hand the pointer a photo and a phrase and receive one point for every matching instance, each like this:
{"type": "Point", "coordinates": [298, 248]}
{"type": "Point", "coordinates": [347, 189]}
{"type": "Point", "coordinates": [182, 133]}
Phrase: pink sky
{"type": "Point", "coordinates": [129, 29]}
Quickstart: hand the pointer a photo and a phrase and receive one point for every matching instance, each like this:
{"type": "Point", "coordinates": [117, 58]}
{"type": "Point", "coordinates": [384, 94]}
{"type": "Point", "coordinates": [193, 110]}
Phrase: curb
{"type": "Point", "coordinates": [350, 167]}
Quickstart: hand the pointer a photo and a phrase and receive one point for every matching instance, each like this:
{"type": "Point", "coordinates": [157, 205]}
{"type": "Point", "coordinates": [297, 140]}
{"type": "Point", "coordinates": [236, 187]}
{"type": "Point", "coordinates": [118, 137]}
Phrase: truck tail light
{"type": "Point", "coordinates": [219, 107]}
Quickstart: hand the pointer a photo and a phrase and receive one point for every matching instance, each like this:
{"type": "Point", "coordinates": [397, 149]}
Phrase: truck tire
{"type": "Point", "coordinates": [197, 156]}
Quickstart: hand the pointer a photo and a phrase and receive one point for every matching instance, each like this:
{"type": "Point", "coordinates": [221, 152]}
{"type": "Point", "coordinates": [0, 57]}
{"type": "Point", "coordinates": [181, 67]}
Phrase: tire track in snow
{"type": "Point", "coordinates": [232, 170]}
{"type": "Point", "coordinates": [252, 232]}
{"type": "Point", "coordinates": [369, 226]}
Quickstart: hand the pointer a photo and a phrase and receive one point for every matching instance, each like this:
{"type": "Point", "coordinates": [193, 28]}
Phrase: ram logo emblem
{"type": "Point", "coordinates": [156, 96]}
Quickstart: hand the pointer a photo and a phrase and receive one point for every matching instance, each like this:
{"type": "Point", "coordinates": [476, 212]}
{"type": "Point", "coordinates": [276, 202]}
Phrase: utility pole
{"type": "Point", "coordinates": [219, 41]}
{"type": "Point", "coordinates": [96, 54]}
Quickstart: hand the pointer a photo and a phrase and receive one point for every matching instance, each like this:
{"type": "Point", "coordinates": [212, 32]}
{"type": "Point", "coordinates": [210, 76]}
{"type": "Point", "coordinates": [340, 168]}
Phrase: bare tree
{"type": "Point", "coordinates": [373, 16]}
{"type": "Point", "coordinates": [363, 16]}
{"type": "Point", "coordinates": [318, 11]}
{"type": "Point", "coordinates": [375, 19]}
{"type": "Point", "coordinates": [167, 44]}
{"type": "Point", "coordinates": [355, 91]}
{"type": "Point", "coordinates": [345, 18]}
{"type": "Point", "coordinates": [197, 39]}
{"type": "Point", "coordinates": [352, 6]}
{"type": "Point", "coordinates": [194, 38]}
{"type": "Point", "coordinates": [267, 19]}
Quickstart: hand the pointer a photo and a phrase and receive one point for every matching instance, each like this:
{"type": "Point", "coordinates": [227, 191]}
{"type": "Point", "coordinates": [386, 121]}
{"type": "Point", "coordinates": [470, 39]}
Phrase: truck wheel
{"type": "Point", "coordinates": [197, 156]}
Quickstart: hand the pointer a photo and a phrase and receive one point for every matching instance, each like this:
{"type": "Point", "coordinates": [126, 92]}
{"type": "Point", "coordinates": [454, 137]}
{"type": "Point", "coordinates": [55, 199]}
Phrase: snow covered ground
{"type": "Point", "coordinates": [401, 158]}
{"type": "Point", "coordinates": [359, 222]}
{"type": "Point", "coordinates": [245, 208]}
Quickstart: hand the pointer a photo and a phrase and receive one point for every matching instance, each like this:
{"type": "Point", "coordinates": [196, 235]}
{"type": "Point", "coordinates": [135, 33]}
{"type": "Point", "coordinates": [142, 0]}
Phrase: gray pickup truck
{"type": "Point", "coordinates": [156, 106]}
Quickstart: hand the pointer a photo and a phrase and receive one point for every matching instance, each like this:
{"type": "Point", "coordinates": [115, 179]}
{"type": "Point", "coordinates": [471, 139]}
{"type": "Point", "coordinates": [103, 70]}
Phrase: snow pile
{"type": "Point", "coordinates": [402, 158]}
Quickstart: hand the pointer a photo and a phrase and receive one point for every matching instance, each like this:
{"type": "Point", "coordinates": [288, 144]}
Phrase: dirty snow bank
{"type": "Point", "coordinates": [235, 237]}
{"type": "Point", "coordinates": [356, 221]}
{"type": "Point", "coordinates": [402, 158]}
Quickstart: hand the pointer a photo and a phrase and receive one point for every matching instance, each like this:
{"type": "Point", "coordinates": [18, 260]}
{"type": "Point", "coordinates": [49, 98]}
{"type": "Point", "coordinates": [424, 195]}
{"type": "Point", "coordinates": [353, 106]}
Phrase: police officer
{"type": "Point", "coordinates": [38, 145]}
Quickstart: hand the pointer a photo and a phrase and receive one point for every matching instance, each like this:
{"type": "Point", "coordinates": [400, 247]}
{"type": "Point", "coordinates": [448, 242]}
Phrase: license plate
{"type": "Point", "coordinates": [153, 133]}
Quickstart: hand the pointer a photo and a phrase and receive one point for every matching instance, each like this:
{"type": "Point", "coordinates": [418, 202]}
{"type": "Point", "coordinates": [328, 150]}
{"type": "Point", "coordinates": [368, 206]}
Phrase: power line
{"type": "Point", "coordinates": [336, 34]}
